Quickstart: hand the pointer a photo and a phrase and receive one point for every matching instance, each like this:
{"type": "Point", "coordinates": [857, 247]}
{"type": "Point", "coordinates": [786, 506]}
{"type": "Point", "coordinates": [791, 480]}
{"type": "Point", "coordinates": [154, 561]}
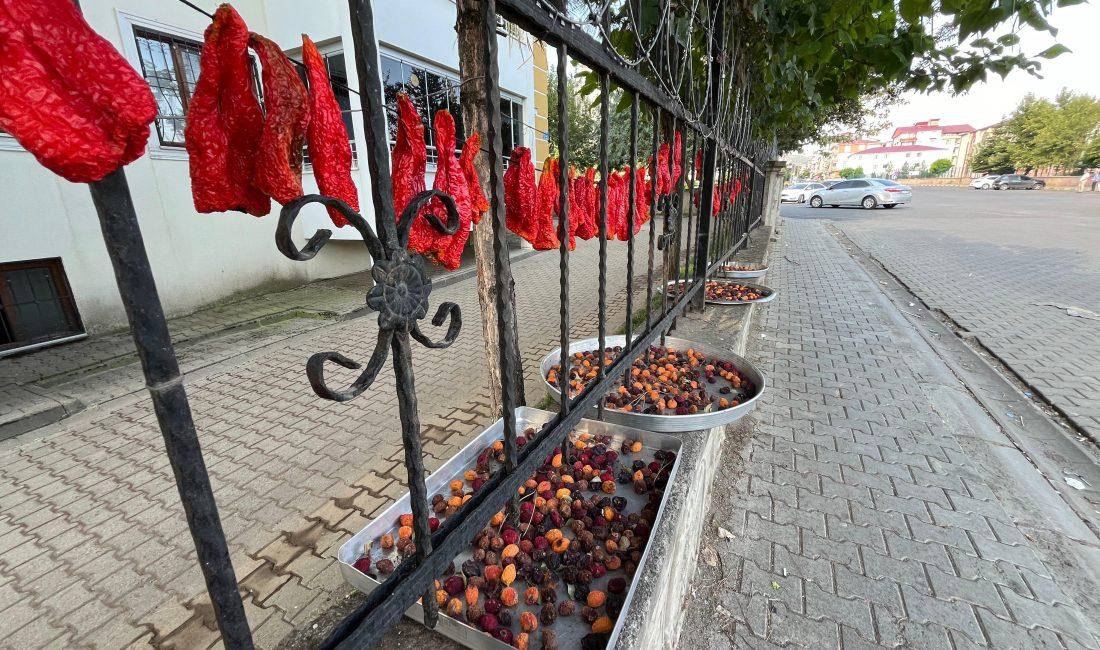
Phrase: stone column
{"type": "Point", "coordinates": [773, 185]}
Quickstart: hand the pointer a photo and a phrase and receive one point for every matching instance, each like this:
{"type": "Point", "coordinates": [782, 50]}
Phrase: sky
{"type": "Point", "coordinates": [986, 103]}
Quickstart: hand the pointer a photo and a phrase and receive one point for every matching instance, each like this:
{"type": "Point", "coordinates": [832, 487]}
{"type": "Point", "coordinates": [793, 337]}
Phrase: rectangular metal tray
{"type": "Point", "coordinates": [569, 630]}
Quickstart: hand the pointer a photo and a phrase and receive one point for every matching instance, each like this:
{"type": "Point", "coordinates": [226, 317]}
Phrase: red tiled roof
{"type": "Point", "coordinates": [947, 128]}
{"type": "Point", "coordinates": [898, 149]}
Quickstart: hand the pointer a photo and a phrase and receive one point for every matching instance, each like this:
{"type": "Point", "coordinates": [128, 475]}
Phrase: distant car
{"type": "Point", "coordinates": [867, 192]}
{"type": "Point", "coordinates": [1018, 182]}
{"type": "Point", "coordinates": [797, 192]}
{"type": "Point", "coordinates": [984, 182]}
{"type": "Point", "coordinates": [832, 181]}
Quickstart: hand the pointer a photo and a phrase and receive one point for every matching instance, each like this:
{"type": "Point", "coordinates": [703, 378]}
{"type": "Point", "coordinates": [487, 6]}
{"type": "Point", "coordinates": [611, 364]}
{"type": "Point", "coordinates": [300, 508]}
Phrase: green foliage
{"type": "Point", "coordinates": [940, 167]}
{"type": "Point", "coordinates": [584, 127]}
{"type": "Point", "coordinates": [1042, 133]}
{"type": "Point", "coordinates": [1090, 157]}
{"type": "Point", "coordinates": [851, 172]}
{"type": "Point", "coordinates": [815, 68]}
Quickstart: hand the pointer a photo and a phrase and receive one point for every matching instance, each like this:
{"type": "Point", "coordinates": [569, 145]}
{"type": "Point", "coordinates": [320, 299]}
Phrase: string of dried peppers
{"type": "Point", "coordinates": [66, 95]}
{"type": "Point", "coordinates": [329, 146]}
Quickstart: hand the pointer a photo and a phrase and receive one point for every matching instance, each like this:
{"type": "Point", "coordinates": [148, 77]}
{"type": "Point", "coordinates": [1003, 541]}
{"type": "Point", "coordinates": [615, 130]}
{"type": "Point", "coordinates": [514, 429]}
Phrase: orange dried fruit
{"type": "Point", "coordinates": [386, 542]}
{"type": "Point", "coordinates": [596, 598]}
{"type": "Point", "coordinates": [560, 546]}
{"type": "Point", "coordinates": [603, 625]}
{"type": "Point", "coordinates": [405, 520]}
{"type": "Point", "coordinates": [553, 535]}
{"type": "Point", "coordinates": [556, 462]}
{"type": "Point", "coordinates": [562, 493]}
{"type": "Point", "coordinates": [455, 501]}
{"type": "Point", "coordinates": [498, 445]}
{"type": "Point", "coordinates": [497, 519]}
{"type": "Point", "coordinates": [456, 485]}
{"type": "Point", "coordinates": [470, 475]}
{"type": "Point", "coordinates": [454, 607]}
{"type": "Point", "coordinates": [471, 595]}
{"type": "Point", "coordinates": [544, 487]}
{"type": "Point", "coordinates": [531, 596]}
{"type": "Point", "coordinates": [509, 551]}
{"type": "Point", "coordinates": [508, 576]}
{"type": "Point", "coordinates": [508, 596]}
{"type": "Point", "coordinates": [521, 641]}
{"type": "Point", "coordinates": [405, 532]}
{"type": "Point", "coordinates": [528, 622]}
{"type": "Point", "coordinates": [440, 598]}
{"type": "Point", "coordinates": [492, 573]}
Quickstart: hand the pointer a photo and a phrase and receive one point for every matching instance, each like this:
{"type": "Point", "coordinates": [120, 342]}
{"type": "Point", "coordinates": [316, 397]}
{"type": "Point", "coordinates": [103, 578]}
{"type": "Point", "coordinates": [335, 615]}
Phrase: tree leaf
{"type": "Point", "coordinates": [1054, 50]}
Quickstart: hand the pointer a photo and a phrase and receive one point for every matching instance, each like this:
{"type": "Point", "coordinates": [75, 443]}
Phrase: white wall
{"type": "Point", "coordinates": [875, 164]}
{"type": "Point", "coordinates": [198, 259]}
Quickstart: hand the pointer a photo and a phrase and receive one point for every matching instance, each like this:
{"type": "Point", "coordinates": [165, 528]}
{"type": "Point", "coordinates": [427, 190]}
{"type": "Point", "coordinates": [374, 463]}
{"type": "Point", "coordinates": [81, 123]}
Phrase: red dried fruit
{"type": "Point", "coordinates": [385, 567]}
{"type": "Point", "coordinates": [362, 564]}
{"type": "Point", "coordinates": [278, 171]}
{"type": "Point", "coordinates": [520, 194]}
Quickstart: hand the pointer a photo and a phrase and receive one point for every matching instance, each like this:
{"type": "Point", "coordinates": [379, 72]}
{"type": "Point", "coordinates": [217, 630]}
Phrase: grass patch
{"type": "Point", "coordinates": [638, 319]}
{"type": "Point", "coordinates": [546, 403]}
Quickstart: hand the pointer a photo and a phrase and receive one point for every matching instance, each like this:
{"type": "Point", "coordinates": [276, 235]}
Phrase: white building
{"type": "Point", "coordinates": [957, 139]}
{"type": "Point", "coordinates": [55, 278]}
{"type": "Point", "coordinates": [904, 160]}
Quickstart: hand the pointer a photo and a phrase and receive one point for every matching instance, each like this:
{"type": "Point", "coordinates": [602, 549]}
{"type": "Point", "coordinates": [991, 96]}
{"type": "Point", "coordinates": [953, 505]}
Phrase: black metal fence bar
{"type": "Point", "coordinates": [632, 193]}
{"type": "Point", "coordinates": [126, 248]}
{"type": "Point", "coordinates": [563, 225]}
{"type": "Point", "coordinates": [605, 128]}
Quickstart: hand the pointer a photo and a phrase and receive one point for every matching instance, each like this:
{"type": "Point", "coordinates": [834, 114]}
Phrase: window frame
{"type": "Point", "coordinates": [66, 303]}
{"type": "Point", "coordinates": [127, 23]}
{"type": "Point", "coordinates": [431, 67]}
{"type": "Point", "coordinates": [178, 69]}
{"type": "Point", "coordinates": [327, 50]}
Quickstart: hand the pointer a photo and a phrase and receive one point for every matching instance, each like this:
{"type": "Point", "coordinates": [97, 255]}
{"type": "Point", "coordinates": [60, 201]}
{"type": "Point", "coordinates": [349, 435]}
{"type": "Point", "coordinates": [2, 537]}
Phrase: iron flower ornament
{"type": "Point", "coordinates": [401, 284]}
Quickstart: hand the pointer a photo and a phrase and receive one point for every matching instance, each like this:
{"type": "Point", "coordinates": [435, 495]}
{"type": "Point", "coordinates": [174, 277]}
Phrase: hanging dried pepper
{"type": "Point", "coordinates": [224, 122]}
{"type": "Point", "coordinates": [329, 145]}
{"type": "Point", "coordinates": [618, 196]}
{"type": "Point", "coordinates": [409, 161]}
{"type": "Point", "coordinates": [66, 95]}
{"type": "Point", "coordinates": [664, 175]}
{"type": "Point", "coordinates": [521, 195]}
{"type": "Point", "coordinates": [735, 189]}
{"type": "Point", "coordinates": [477, 198]}
{"type": "Point", "coordinates": [546, 236]}
{"type": "Point", "coordinates": [641, 203]}
{"type": "Point", "coordinates": [449, 179]}
{"type": "Point", "coordinates": [676, 159]}
{"type": "Point", "coordinates": [587, 198]}
{"type": "Point", "coordinates": [278, 170]}
{"type": "Point", "coordinates": [575, 211]}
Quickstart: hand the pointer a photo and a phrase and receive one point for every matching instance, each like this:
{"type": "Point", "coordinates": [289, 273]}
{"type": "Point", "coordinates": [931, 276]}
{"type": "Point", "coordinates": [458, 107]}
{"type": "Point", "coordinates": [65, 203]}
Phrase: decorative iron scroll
{"type": "Point", "coordinates": [400, 291]}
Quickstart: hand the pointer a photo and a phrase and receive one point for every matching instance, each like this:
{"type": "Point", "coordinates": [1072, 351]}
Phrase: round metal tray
{"type": "Point", "coordinates": [666, 423]}
{"type": "Point", "coordinates": [769, 296]}
{"type": "Point", "coordinates": [742, 275]}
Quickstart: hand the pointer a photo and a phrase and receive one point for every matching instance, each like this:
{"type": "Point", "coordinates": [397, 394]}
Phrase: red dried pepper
{"type": "Point", "coordinates": [618, 198]}
{"type": "Point", "coordinates": [641, 202]}
{"type": "Point", "coordinates": [224, 122]}
{"type": "Point", "coordinates": [329, 145]}
{"type": "Point", "coordinates": [279, 157]}
{"type": "Point", "coordinates": [664, 176]}
{"type": "Point", "coordinates": [576, 214]}
{"type": "Point", "coordinates": [587, 199]}
{"type": "Point", "coordinates": [449, 179]}
{"type": "Point", "coordinates": [546, 236]}
{"type": "Point", "coordinates": [520, 194]}
{"type": "Point", "coordinates": [477, 198]}
{"type": "Point", "coordinates": [409, 160]}
{"type": "Point", "coordinates": [735, 189]}
{"type": "Point", "coordinates": [66, 94]}
{"type": "Point", "coordinates": [676, 159]}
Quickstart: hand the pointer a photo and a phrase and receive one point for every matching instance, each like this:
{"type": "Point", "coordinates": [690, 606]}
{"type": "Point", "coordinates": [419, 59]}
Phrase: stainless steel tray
{"type": "Point", "coordinates": [768, 291]}
{"type": "Point", "coordinates": [569, 630]}
{"type": "Point", "coordinates": [667, 423]}
{"type": "Point", "coordinates": [742, 275]}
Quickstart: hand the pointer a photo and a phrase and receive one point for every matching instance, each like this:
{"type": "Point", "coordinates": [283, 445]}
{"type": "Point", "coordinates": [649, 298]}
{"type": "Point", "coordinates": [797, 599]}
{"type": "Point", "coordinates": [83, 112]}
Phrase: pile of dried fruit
{"type": "Point", "coordinates": [741, 267]}
{"type": "Point", "coordinates": [566, 549]}
{"type": "Point", "coordinates": [733, 292]}
{"type": "Point", "coordinates": [664, 381]}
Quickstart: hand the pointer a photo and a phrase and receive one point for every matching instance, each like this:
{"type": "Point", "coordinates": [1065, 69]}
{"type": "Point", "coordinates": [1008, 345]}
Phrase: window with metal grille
{"type": "Point", "coordinates": [431, 91]}
{"type": "Point", "coordinates": [36, 304]}
{"type": "Point", "coordinates": [171, 66]}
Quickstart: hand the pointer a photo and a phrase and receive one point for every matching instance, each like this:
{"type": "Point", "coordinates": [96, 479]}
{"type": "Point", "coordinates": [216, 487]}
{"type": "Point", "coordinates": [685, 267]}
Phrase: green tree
{"type": "Point", "coordinates": [993, 155]}
{"type": "Point", "coordinates": [1090, 157]}
{"type": "Point", "coordinates": [940, 167]}
{"type": "Point", "coordinates": [851, 172]}
{"type": "Point", "coordinates": [811, 64]}
{"type": "Point", "coordinates": [583, 125]}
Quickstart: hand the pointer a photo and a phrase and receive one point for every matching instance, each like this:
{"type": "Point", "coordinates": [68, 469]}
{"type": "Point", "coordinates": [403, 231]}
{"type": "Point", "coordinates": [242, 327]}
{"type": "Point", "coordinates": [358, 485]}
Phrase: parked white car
{"type": "Point", "coordinates": [984, 182]}
{"type": "Point", "coordinates": [798, 192]}
{"type": "Point", "coordinates": [867, 192]}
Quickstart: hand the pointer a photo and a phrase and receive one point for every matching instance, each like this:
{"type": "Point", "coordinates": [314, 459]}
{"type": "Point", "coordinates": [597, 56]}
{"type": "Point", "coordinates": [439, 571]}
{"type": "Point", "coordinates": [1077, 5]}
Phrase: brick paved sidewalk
{"type": "Point", "coordinates": [94, 552]}
{"type": "Point", "coordinates": [857, 518]}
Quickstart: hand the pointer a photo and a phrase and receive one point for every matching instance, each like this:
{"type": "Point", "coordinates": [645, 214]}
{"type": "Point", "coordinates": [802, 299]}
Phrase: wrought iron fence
{"type": "Point", "coordinates": [685, 78]}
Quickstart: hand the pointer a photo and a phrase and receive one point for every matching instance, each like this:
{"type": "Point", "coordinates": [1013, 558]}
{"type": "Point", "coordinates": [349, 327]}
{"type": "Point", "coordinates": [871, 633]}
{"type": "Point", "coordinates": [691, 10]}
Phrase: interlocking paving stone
{"type": "Point", "coordinates": [918, 551]}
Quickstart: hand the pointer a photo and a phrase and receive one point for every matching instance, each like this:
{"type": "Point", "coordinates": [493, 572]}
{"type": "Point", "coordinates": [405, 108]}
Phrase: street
{"type": "Point", "coordinates": [1004, 267]}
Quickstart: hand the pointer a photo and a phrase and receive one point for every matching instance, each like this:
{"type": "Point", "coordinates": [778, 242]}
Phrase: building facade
{"type": "Point", "coordinates": [56, 281]}
{"type": "Point", "coordinates": [900, 160]}
{"type": "Point", "coordinates": [958, 140]}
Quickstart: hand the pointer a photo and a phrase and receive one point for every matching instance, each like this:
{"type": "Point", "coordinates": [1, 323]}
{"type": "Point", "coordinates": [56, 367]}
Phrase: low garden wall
{"type": "Point", "coordinates": [1053, 182]}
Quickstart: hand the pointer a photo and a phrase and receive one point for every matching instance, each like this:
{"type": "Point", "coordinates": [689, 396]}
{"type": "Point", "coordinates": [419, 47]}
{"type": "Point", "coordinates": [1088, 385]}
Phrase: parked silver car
{"type": "Point", "coordinates": [797, 192]}
{"type": "Point", "coordinates": [867, 192]}
{"type": "Point", "coordinates": [984, 182]}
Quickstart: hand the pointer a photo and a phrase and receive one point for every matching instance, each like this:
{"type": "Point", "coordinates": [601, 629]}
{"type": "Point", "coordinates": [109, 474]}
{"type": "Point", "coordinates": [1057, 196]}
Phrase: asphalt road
{"type": "Point", "coordinates": [1017, 270]}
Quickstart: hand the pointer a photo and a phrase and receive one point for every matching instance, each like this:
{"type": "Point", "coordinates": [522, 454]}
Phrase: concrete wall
{"type": "Point", "coordinates": [198, 259]}
{"type": "Point", "coordinates": [1053, 182]}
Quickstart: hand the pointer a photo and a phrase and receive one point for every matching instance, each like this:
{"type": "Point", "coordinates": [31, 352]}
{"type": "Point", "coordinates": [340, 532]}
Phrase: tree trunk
{"type": "Point", "coordinates": [471, 55]}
